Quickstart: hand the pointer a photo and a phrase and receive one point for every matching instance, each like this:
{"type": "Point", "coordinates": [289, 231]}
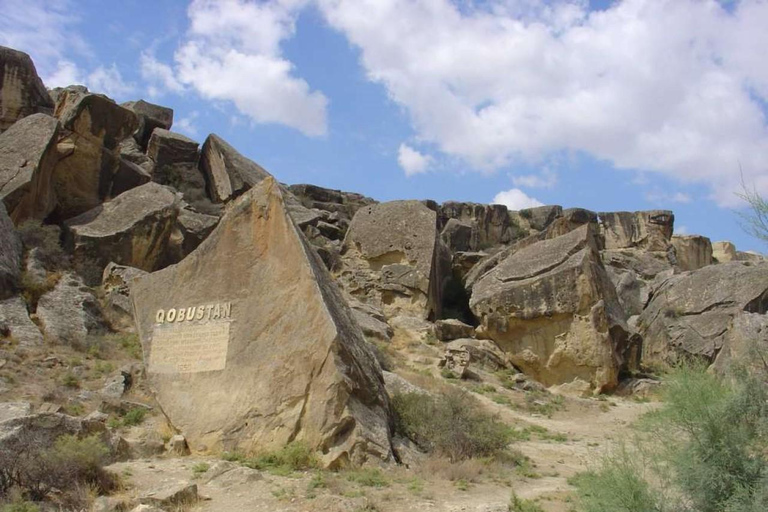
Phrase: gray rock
{"type": "Point", "coordinates": [133, 229]}
{"type": "Point", "coordinates": [228, 173]}
{"type": "Point", "coordinates": [129, 175]}
{"type": "Point", "coordinates": [150, 116]}
{"type": "Point", "coordinates": [130, 151]}
{"type": "Point", "coordinates": [69, 312]}
{"type": "Point", "coordinates": [10, 255]}
{"type": "Point", "coordinates": [95, 118]}
{"type": "Point", "coordinates": [177, 445]}
{"type": "Point", "coordinates": [23, 93]}
{"type": "Point", "coordinates": [395, 385]}
{"type": "Point", "coordinates": [11, 410]}
{"type": "Point", "coordinates": [195, 227]}
{"type": "Point", "coordinates": [540, 217]}
{"type": "Point", "coordinates": [173, 494]}
{"type": "Point", "coordinates": [168, 148]}
{"type": "Point", "coordinates": [457, 235]}
{"type": "Point", "coordinates": [691, 314]}
{"type": "Point", "coordinates": [117, 385]}
{"type": "Point", "coordinates": [692, 251]}
{"type": "Point", "coordinates": [27, 160]}
{"type": "Point", "coordinates": [267, 376]}
{"type": "Point", "coordinates": [452, 329]}
{"type": "Point", "coordinates": [115, 286]}
{"type": "Point", "coordinates": [14, 319]}
{"type": "Point", "coordinates": [552, 308]}
{"type": "Point", "coordinates": [490, 225]}
{"type": "Point", "coordinates": [636, 274]}
{"type": "Point", "coordinates": [372, 327]}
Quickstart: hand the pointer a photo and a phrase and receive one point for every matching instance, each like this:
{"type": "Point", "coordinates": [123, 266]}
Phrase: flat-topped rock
{"type": "Point", "coordinates": [150, 116]}
{"type": "Point", "coordinates": [27, 160]}
{"type": "Point", "coordinates": [22, 93]}
{"type": "Point", "coordinates": [692, 251]}
{"type": "Point", "coordinates": [285, 364]}
{"type": "Point", "coordinates": [649, 230]}
{"type": "Point", "coordinates": [227, 173]}
{"type": "Point", "coordinates": [95, 117]}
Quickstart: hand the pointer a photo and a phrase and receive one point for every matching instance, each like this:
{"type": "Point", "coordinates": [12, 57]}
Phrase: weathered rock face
{"type": "Point", "coordinates": [227, 173]}
{"type": "Point", "coordinates": [539, 218]}
{"type": "Point", "coordinates": [16, 324]}
{"type": "Point", "coordinates": [452, 329]}
{"type": "Point", "coordinates": [635, 274]}
{"type": "Point", "coordinates": [69, 312]}
{"type": "Point", "coordinates": [489, 225]}
{"type": "Point", "coordinates": [747, 334]}
{"type": "Point", "coordinates": [27, 159]}
{"type": "Point", "coordinates": [10, 255]}
{"type": "Point", "coordinates": [552, 308]}
{"type": "Point", "coordinates": [691, 313]}
{"type": "Point", "coordinates": [22, 93]}
{"type": "Point", "coordinates": [176, 164]}
{"type": "Point", "coordinates": [94, 125]}
{"type": "Point", "coordinates": [692, 251]}
{"type": "Point", "coordinates": [394, 259]}
{"type": "Point", "coordinates": [133, 229]}
{"type": "Point", "coordinates": [724, 252]}
{"type": "Point", "coordinates": [263, 377]}
{"type": "Point", "coordinates": [150, 116]}
{"type": "Point", "coordinates": [649, 230]}
{"type": "Point", "coordinates": [116, 286]}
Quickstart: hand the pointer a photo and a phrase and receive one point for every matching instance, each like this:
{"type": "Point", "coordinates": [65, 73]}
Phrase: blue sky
{"type": "Point", "coordinates": [626, 105]}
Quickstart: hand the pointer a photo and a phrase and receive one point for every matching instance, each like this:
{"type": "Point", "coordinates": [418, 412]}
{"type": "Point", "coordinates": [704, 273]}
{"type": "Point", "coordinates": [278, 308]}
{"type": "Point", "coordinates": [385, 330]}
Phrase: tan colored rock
{"type": "Point", "coordinates": [22, 93]}
{"type": "Point", "coordinates": [227, 173]}
{"type": "Point", "coordinates": [15, 321]}
{"type": "Point", "coordinates": [452, 329]}
{"type": "Point", "coordinates": [27, 160]}
{"type": "Point", "coordinates": [648, 230]}
{"type": "Point", "coordinates": [116, 292]}
{"type": "Point", "coordinates": [692, 251]}
{"type": "Point", "coordinates": [394, 259]}
{"type": "Point", "coordinates": [150, 116]}
{"type": "Point", "coordinates": [724, 251]}
{"type": "Point", "coordinates": [635, 274]}
{"type": "Point", "coordinates": [552, 308]}
{"type": "Point", "coordinates": [472, 226]}
{"type": "Point", "coordinates": [263, 374]}
{"type": "Point", "coordinates": [133, 229]}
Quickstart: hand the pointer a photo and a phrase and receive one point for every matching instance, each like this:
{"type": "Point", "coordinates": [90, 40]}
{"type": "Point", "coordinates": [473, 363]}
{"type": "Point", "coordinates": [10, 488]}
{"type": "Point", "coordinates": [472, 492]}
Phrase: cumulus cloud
{"type": "Point", "coordinates": [516, 199]}
{"type": "Point", "coordinates": [159, 75]}
{"type": "Point", "coordinates": [662, 198]}
{"type": "Point", "coordinates": [109, 81]}
{"type": "Point", "coordinates": [667, 86]}
{"type": "Point", "coordinates": [546, 179]}
{"type": "Point", "coordinates": [186, 124]}
{"type": "Point", "coordinates": [232, 53]}
{"type": "Point", "coordinates": [412, 161]}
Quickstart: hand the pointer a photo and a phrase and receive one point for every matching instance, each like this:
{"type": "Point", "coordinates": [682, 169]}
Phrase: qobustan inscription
{"type": "Point", "coordinates": [191, 339]}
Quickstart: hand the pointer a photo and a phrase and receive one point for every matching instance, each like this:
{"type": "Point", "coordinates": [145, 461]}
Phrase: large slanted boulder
{"type": "Point", "coordinates": [175, 158]}
{"type": "Point", "coordinates": [16, 324]}
{"type": "Point", "coordinates": [69, 312]}
{"type": "Point", "coordinates": [249, 344]}
{"type": "Point", "coordinates": [10, 255]}
{"type": "Point", "coordinates": [27, 160]}
{"type": "Point", "coordinates": [690, 314]}
{"type": "Point", "coordinates": [635, 273]}
{"type": "Point", "coordinates": [150, 116]}
{"type": "Point", "coordinates": [471, 226]}
{"type": "Point", "coordinates": [94, 126]}
{"type": "Point", "coordinates": [394, 259]}
{"type": "Point", "coordinates": [552, 308]}
{"type": "Point", "coordinates": [22, 93]}
{"type": "Point", "coordinates": [227, 173]}
{"type": "Point", "coordinates": [133, 229]}
{"type": "Point", "coordinates": [692, 251]}
{"type": "Point", "coordinates": [648, 230]}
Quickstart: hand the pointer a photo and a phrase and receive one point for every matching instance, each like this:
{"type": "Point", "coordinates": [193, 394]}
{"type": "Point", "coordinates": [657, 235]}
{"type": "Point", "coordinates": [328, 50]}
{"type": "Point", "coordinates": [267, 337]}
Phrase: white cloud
{"type": "Point", "coordinates": [665, 86]}
{"type": "Point", "coordinates": [516, 199]}
{"type": "Point", "coordinates": [412, 161]}
{"type": "Point", "coordinates": [160, 75]}
{"type": "Point", "coordinates": [681, 230]}
{"type": "Point", "coordinates": [109, 81]}
{"type": "Point", "coordinates": [232, 53]}
{"type": "Point", "coordinates": [66, 73]}
{"type": "Point", "coordinates": [546, 179]}
{"type": "Point", "coordinates": [659, 197]}
{"type": "Point", "coordinates": [186, 124]}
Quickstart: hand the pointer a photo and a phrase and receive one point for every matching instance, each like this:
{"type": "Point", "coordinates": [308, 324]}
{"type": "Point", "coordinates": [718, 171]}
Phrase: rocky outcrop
{"type": "Point", "coordinates": [69, 312]}
{"type": "Point", "coordinates": [175, 160]}
{"type": "Point", "coordinates": [27, 160]}
{"type": "Point", "coordinates": [22, 93]}
{"type": "Point", "coordinates": [540, 217]}
{"type": "Point", "coordinates": [692, 252]}
{"type": "Point", "coordinates": [724, 252]}
{"type": "Point", "coordinates": [10, 255]}
{"type": "Point", "coordinates": [472, 227]}
{"type": "Point", "coordinates": [16, 325]}
{"type": "Point", "coordinates": [635, 274]}
{"type": "Point", "coordinates": [452, 329]}
{"type": "Point", "coordinates": [263, 376]}
{"type": "Point", "coordinates": [116, 289]}
{"type": "Point", "coordinates": [746, 338]}
{"type": "Point", "coordinates": [647, 230]}
{"type": "Point", "coordinates": [552, 308]}
{"type": "Point", "coordinates": [227, 173]}
{"type": "Point", "coordinates": [393, 258]}
{"type": "Point", "coordinates": [690, 314]}
{"type": "Point", "coordinates": [133, 229]}
{"type": "Point", "coordinates": [128, 175]}
{"type": "Point", "coordinates": [150, 116]}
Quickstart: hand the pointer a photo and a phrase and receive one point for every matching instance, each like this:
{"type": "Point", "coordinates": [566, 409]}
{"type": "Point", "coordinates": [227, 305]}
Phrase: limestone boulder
{"type": "Point", "coordinates": [16, 324]}
{"type": "Point", "coordinates": [341, 206]}
{"type": "Point", "coordinates": [95, 118]}
{"type": "Point", "coordinates": [473, 227]}
{"type": "Point", "coordinates": [133, 229]}
{"type": "Point", "coordinates": [69, 312]}
{"type": "Point", "coordinates": [116, 290]}
{"type": "Point", "coordinates": [393, 258]}
{"type": "Point", "coordinates": [457, 235]}
{"type": "Point", "coordinates": [553, 309]}
{"type": "Point", "coordinates": [10, 255]}
{"type": "Point", "coordinates": [452, 329]}
{"type": "Point", "coordinates": [130, 151]}
{"type": "Point", "coordinates": [22, 93]}
{"type": "Point", "coordinates": [724, 252]}
{"type": "Point", "coordinates": [635, 274]}
{"type": "Point", "coordinates": [540, 217]}
{"type": "Point", "coordinates": [648, 230]}
{"type": "Point", "coordinates": [27, 159]}
{"type": "Point", "coordinates": [692, 251]}
{"type": "Point", "coordinates": [128, 175]}
{"type": "Point", "coordinates": [149, 116]}
{"type": "Point", "coordinates": [175, 160]}
{"type": "Point", "coordinates": [747, 337]}
{"type": "Point", "coordinates": [227, 173]}
{"type": "Point", "coordinates": [220, 334]}
{"type": "Point", "coordinates": [691, 314]}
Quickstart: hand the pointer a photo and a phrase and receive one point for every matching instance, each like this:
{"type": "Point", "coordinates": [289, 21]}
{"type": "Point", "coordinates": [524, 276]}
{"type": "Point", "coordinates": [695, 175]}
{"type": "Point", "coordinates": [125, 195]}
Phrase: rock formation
{"type": "Point", "coordinates": [227, 173]}
{"type": "Point", "coordinates": [692, 252]}
{"type": "Point", "coordinates": [10, 256]}
{"type": "Point", "coordinates": [649, 230]}
{"type": "Point", "coordinates": [217, 338]}
{"type": "Point", "coordinates": [22, 93]}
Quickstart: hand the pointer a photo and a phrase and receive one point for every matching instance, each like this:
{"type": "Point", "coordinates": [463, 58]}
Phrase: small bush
{"type": "Point", "coordinates": [517, 504]}
{"type": "Point", "coordinates": [452, 425]}
{"type": "Point", "coordinates": [22, 506]}
{"type": "Point", "coordinates": [70, 380]}
{"type": "Point", "coordinates": [134, 417]}
{"type": "Point", "coordinates": [295, 456]}
{"type": "Point", "coordinates": [32, 289]}
{"type": "Point", "coordinates": [200, 468]}
{"type": "Point", "coordinates": [368, 477]}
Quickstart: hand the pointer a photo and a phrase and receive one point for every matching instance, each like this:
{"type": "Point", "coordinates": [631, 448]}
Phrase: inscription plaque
{"type": "Point", "coordinates": [189, 348]}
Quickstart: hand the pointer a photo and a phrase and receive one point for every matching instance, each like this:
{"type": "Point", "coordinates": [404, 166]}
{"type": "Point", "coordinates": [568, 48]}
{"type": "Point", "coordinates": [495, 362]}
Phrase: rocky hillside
{"type": "Point", "coordinates": [264, 311]}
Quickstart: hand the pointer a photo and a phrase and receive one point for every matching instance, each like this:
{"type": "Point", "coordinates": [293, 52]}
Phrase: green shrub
{"type": "Point", "coordinates": [452, 425]}
{"type": "Point", "coordinates": [295, 456]}
{"type": "Point", "coordinates": [517, 504]}
{"type": "Point", "coordinates": [368, 477]}
{"type": "Point", "coordinates": [22, 506]}
{"type": "Point", "coordinates": [134, 417]}
{"type": "Point", "coordinates": [200, 468]}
